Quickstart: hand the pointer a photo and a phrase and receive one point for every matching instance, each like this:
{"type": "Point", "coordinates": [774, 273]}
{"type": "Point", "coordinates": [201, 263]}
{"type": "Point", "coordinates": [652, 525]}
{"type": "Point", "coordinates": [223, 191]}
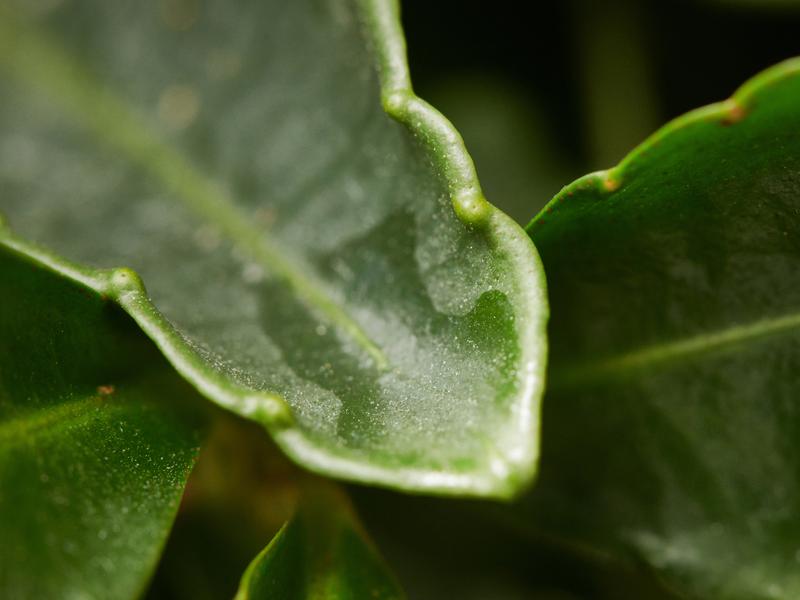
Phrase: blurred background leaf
{"type": "Point", "coordinates": [240, 494]}
{"type": "Point", "coordinates": [473, 550]}
{"type": "Point", "coordinates": [321, 553]}
{"type": "Point", "coordinates": [671, 423]}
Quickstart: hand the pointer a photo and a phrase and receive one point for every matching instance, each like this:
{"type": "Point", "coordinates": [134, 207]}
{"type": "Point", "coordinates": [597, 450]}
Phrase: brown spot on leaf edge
{"type": "Point", "coordinates": [735, 114]}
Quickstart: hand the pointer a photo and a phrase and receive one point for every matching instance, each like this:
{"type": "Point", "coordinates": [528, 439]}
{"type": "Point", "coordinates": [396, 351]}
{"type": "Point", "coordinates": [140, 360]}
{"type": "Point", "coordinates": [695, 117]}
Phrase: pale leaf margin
{"type": "Point", "coordinates": [510, 472]}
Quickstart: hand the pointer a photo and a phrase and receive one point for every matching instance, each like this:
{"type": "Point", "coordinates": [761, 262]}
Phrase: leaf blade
{"type": "Point", "coordinates": [405, 267]}
{"type": "Point", "coordinates": [673, 343]}
{"type": "Point", "coordinates": [92, 466]}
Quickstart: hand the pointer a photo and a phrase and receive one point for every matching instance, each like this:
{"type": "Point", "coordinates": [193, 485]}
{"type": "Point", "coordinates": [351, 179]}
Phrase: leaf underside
{"type": "Point", "coordinates": [672, 422]}
{"type": "Point", "coordinates": [304, 263]}
{"type": "Point", "coordinates": [94, 448]}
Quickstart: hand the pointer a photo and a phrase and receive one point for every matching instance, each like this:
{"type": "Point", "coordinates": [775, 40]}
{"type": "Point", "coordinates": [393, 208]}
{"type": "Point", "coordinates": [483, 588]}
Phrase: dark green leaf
{"type": "Point", "coordinates": [321, 553]}
{"type": "Point", "coordinates": [310, 263]}
{"type": "Point", "coordinates": [448, 548]}
{"type": "Point", "coordinates": [672, 428]}
{"type": "Point", "coordinates": [94, 450]}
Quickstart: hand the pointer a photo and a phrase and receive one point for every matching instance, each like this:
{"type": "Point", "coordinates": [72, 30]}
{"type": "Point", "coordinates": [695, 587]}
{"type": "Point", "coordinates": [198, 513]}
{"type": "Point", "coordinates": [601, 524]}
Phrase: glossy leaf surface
{"type": "Point", "coordinates": [321, 553]}
{"type": "Point", "coordinates": [94, 448]}
{"type": "Point", "coordinates": [672, 424]}
{"type": "Point", "coordinates": [310, 262]}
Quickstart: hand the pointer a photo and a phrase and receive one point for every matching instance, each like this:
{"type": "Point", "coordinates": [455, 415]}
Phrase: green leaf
{"type": "Point", "coordinates": [94, 450]}
{"type": "Point", "coordinates": [322, 552]}
{"type": "Point", "coordinates": [242, 491]}
{"type": "Point", "coordinates": [672, 425]}
{"type": "Point", "coordinates": [310, 262]}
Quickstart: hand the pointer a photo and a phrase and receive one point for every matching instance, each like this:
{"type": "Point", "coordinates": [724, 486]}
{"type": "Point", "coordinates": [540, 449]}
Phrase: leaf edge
{"type": "Point", "coordinates": [512, 468]}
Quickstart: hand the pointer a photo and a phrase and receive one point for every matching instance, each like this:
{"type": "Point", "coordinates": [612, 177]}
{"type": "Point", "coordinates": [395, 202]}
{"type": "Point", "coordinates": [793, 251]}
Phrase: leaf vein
{"type": "Point", "coordinates": [674, 351]}
{"type": "Point", "coordinates": [28, 56]}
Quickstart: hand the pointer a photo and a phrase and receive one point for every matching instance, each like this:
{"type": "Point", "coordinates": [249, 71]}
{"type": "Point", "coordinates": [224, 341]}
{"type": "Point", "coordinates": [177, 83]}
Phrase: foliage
{"type": "Point", "coordinates": [321, 261]}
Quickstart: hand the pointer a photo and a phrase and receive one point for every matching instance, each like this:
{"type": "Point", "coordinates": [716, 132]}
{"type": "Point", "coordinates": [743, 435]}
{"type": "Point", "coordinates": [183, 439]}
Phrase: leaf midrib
{"type": "Point", "coordinates": [673, 351]}
{"type": "Point", "coordinates": [30, 57]}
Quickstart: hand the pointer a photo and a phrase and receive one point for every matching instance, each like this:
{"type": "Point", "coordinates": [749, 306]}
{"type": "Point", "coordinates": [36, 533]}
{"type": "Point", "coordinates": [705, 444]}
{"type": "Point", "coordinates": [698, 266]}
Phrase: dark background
{"type": "Point", "coordinates": [594, 77]}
